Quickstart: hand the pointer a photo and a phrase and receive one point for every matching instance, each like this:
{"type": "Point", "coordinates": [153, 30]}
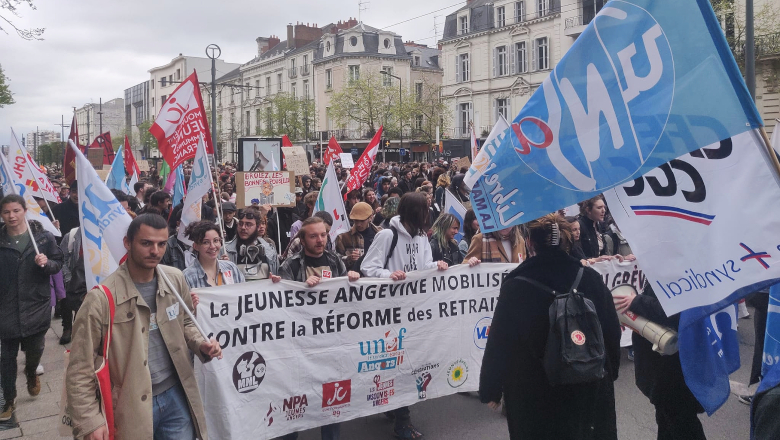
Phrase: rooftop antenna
{"type": "Point", "coordinates": [362, 6]}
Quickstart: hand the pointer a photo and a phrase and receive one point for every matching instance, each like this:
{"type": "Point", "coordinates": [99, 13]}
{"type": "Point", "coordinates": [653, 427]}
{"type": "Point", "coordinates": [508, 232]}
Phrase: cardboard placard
{"type": "Point", "coordinates": [296, 160]}
{"type": "Point", "coordinates": [106, 167]}
{"type": "Point", "coordinates": [275, 188]}
{"type": "Point", "coordinates": [95, 157]}
{"type": "Point", "coordinates": [143, 165]}
{"type": "Point", "coordinates": [103, 174]}
{"type": "Point", "coordinates": [463, 162]}
{"type": "Point", "coordinates": [347, 161]}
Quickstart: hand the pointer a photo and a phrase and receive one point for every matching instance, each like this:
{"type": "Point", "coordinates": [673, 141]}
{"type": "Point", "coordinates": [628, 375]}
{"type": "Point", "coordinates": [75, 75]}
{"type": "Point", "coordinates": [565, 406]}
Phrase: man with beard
{"type": "Point", "coordinates": [251, 251]}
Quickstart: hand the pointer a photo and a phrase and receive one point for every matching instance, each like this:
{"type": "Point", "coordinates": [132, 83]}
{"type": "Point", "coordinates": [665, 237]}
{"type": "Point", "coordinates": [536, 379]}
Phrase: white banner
{"type": "Point", "coordinates": [703, 224]}
{"type": "Point", "coordinates": [29, 173]}
{"type": "Point", "coordinates": [297, 357]}
{"type": "Point", "coordinates": [615, 273]}
{"type": "Point", "coordinates": [330, 201]}
{"type": "Point", "coordinates": [11, 185]}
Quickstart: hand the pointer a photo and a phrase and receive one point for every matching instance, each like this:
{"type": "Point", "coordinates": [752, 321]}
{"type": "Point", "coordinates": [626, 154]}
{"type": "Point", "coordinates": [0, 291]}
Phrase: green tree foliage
{"type": "Point", "coordinates": [733, 21]}
{"type": "Point", "coordinates": [11, 7]}
{"type": "Point", "coordinates": [51, 153]}
{"type": "Point", "coordinates": [285, 114]}
{"type": "Point", "coordinates": [6, 96]}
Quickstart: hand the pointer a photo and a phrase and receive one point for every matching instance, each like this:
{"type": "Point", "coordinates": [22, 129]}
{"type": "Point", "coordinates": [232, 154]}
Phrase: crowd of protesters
{"type": "Point", "coordinates": [399, 204]}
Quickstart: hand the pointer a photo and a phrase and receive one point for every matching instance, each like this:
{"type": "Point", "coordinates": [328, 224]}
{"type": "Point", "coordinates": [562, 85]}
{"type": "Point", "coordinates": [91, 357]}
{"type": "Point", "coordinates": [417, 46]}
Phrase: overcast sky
{"type": "Point", "coordinates": [96, 49]}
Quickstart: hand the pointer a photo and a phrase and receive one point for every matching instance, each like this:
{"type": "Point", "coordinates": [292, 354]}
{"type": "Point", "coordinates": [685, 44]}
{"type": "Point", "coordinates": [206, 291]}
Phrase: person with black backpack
{"type": "Point", "coordinates": [554, 345]}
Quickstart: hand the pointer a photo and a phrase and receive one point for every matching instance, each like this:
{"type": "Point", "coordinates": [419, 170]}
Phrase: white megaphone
{"type": "Point", "coordinates": [664, 339]}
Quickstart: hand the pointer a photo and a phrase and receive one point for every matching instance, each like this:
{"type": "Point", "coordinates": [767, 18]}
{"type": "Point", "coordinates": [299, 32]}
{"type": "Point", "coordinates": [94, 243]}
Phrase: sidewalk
{"type": "Point", "coordinates": [36, 417]}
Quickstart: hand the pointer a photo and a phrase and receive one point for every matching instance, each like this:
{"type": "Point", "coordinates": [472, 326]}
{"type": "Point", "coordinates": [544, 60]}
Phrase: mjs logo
{"type": "Point", "coordinates": [601, 113]}
{"type": "Point", "coordinates": [383, 354]}
{"type": "Point", "coordinates": [481, 332]}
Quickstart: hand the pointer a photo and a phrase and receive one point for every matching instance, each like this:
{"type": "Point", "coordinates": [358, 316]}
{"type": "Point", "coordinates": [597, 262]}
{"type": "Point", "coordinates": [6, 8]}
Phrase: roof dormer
{"type": "Point", "coordinates": [387, 43]}
{"type": "Point", "coordinates": [328, 45]}
{"type": "Point", "coordinates": [353, 41]}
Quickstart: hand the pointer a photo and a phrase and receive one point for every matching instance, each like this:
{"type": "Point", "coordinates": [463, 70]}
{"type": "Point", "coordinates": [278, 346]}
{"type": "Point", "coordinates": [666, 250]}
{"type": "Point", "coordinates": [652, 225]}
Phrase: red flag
{"type": "Point", "coordinates": [363, 165]}
{"type": "Point", "coordinates": [334, 149]}
{"type": "Point", "coordinates": [181, 121]}
{"type": "Point", "coordinates": [130, 164]}
{"type": "Point", "coordinates": [69, 162]}
{"type": "Point", "coordinates": [286, 141]}
{"type": "Point", "coordinates": [104, 143]}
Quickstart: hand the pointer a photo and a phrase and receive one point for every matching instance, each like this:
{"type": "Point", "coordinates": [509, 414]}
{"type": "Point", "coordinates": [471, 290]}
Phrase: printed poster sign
{"type": "Point", "coordinates": [275, 188]}
{"type": "Point", "coordinates": [297, 161]}
{"type": "Point", "coordinates": [298, 357]}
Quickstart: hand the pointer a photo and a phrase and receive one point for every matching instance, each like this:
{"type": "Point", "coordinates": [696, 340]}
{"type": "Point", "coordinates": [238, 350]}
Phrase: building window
{"type": "Point", "coordinates": [328, 79]}
{"type": "Point", "coordinates": [306, 89]}
{"type": "Point", "coordinates": [418, 122]}
{"type": "Point", "coordinates": [354, 73]}
{"type": "Point", "coordinates": [500, 61]}
{"type": "Point", "coordinates": [502, 108]}
{"type": "Point", "coordinates": [258, 120]}
{"type": "Point", "coordinates": [152, 101]}
{"type": "Point", "coordinates": [246, 127]}
{"type": "Point", "coordinates": [292, 63]}
{"type": "Point", "coordinates": [178, 74]}
{"type": "Point", "coordinates": [501, 16]}
{"type": "Point", "coordinates": [521, 57]}
{"type": "Point", "coordinates": [152, 85]}
{"type": "Point", "coordinates": [416, 60]}
{"type": "Point", "coordinates": [269, 121]}
{"type": "Point", "coordinates": [464, 118]}
{"type": "Point", "coordinates": [257, 87]}
{"type": "Point", "coordinates": [387, 43]}
{"type": "Point", "coordinates": [170, 78]}
{"type": "Point", "coordinates": [247, 89]}
{"type": "Point", "coordinates": [387, 80]}
{"type": "Point", "coordinates": [418, 91]}
{"type": "Point", "coordinates": [327, 47]}
{"type": "Point", "coordinates": [164, 98]}
{"type": "Point", "coordinates": [519, 12]}
{"type": "Point", "coordinates": [353, 41]}
{"type": "Point", "coordinates": [462, 68]}
{"type": "Point", "coordinates": [294, 90]}
{"type": "Point", "coordinates": [267, 86]}
{"type": "Point", "coordinates": [163, 81]}
{"type": "Point", "coordinates": [306, 60]}
{"type": "Point", "coordinates": [543, 7]}
{"type": "Point", "coordinates": [279, 80]}
{"type": "Point", "coordinates": [541, 54]}
{"type": "Point", "coordinates": [464, 24]}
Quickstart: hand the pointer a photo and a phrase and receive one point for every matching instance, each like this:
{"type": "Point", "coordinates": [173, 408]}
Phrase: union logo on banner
{"type": "Point", "coordinates": [181, 121]}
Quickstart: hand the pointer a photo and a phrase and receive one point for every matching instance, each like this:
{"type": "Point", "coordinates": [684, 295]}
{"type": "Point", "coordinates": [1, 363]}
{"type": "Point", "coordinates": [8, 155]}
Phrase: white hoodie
{"type": "Point", "coordinates": [411, 253]}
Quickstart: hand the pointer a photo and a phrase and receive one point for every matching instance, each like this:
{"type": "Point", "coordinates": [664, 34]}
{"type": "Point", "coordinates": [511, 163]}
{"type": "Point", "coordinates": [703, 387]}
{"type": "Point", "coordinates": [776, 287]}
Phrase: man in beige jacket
{"type": "Point", "coordinates": [153, 387]}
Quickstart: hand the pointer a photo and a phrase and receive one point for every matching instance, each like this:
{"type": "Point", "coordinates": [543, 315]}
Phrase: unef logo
{"type": "Point", "coordinates": [606, 109]}
{"type": "Point", "coordinates": [481, 332]}
{"type": "Point", "coordinates": [383, 354]}
{"type": "Point", "coordinates": [249, 372]}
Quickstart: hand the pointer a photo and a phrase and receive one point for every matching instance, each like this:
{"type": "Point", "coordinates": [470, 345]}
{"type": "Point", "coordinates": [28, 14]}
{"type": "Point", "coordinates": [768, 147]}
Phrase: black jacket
{"type": "Point", "coordinates": [451, 255]}
{"type": "Point", "coordinates": [512, 363]}
{"type": "Point", "coordinates": [67, 213]}
{"type": "Point", "coordinates": [284, 217]}
{"type": "Point", "coordinates": [294, 267]}
{"type": "Point", "coordinates": [25, 298]}
{"type": "Point", "coordinates": [588, 238]}
{"type": "Point", "coordinates": [660, 378]}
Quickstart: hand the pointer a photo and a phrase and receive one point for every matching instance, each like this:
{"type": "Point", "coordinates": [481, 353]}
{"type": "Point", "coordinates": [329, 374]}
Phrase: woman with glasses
{"type": "Point", "coordinates": [208, 269]}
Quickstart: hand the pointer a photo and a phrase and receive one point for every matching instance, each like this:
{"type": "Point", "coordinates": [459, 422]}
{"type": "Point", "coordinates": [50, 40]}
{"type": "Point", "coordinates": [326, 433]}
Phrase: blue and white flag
{"type": "Point", "coordinates": [178, 186]}
{"type": "Point", "coordinates": [200, 185]}
{"type": "Point", "coordinates": [330, 201]}
{"type": "Point", "coordinates": [11, 185]}
{"type": "Point", "coordinates": [117, 176]}
{"type": "Point", "coordinates": [646, 82]}
{"type": "Point", "coordinates": [104, 223]}
{"type": "Point", "coordinates": [453, 206]}
{"type": "Point", "coordinates": [771, 358]}
{"type": "Point", "coordinates": [489, 149]}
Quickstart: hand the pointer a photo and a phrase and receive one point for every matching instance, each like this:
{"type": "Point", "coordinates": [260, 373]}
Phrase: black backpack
{"type": "Point", "coordinates": [575, 345]}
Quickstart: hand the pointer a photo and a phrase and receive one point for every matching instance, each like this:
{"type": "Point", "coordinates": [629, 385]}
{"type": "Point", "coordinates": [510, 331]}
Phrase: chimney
{"type": "Point", "coordinates": [290, 36]}
{"type": "Point", "coordinates": [273, 41]}
{"type": "Point", "coordinates": [262, 45]}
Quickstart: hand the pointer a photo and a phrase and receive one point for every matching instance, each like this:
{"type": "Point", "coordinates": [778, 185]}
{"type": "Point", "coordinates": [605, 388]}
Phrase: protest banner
{"type": "Point", "coordinates": [95, 158]}
{"type": "Point", "coordinates": [10, 185]}
{"type": "Point", "coordinates": [615, 273]}
{"type": "Point", "coordinates": [297, 357]}
{"type": "Point", "coordinates": [624, 99]}
{"type": "Point", "coordinates": [463, 162]}
{"type": "Point", "coordinates": [29, 173]}
{"type": "Point", "coordinates": [297, 161]}
{"type": "Point", "coordinates": [347, 161]}
{"type": "Point", "coordinates": [180, 123]}
{"type": "Point", "coordinates": [275, 188]}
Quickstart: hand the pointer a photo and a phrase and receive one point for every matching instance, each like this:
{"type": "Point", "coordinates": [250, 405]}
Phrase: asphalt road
{"type": "Point", "coordinates": [464, 417]}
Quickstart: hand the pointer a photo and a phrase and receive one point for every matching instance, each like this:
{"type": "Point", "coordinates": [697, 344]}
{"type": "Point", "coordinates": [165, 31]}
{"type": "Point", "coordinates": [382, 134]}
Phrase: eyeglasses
{"type": "Point", "coordinates": [248, 215]}
{"type": "Point", "coordinates": [217, 242]}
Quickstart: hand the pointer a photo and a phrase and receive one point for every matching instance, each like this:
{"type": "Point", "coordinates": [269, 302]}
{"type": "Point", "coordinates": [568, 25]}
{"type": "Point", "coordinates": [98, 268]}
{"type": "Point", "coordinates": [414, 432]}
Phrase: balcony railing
{"type": "Point", "coordinates": [292, 72]}
{"type": "Point", "coordinates": [304, 70]}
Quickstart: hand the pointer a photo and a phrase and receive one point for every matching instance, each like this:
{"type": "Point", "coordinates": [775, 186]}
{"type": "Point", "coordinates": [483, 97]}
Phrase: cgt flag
{"type": "Point", "coordinates": [646, 82]}
{"type": "Point", "coordinates": [11, 185]}
{"type": "Point", "coordinates": [200, 184]}
{"type": "Point", "coordinates": [363, 165]}
{"type": "Point", "coordinates": [103, 223]}
{"type": "Point", "coordinates": [29, 173]}
{"type": "Point", "coordinates": [330, 201]}
{"type": "Point", "coordinates": [334, 149]}
{"type": "Point", "coordinates": [181, 122]}
{"type": "Point", "coordinates": [69, 160]}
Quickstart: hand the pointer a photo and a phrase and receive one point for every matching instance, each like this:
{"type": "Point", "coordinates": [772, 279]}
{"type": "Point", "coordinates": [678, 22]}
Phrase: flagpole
{"type": "Point", "coordinates": [32, 237]}
{"type": "Point", "coordinates": [771, 151]}
{"type": "Point", "coordinates": [40, 190]}
{"type": "Point", "coordinates": [186, 309]}
{"type": "Point", "coordinates": [217, 196]}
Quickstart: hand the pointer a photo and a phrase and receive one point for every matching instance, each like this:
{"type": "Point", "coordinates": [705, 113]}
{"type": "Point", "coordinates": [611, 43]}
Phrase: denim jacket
{"type": "Point", "coordinates": [196, 276]}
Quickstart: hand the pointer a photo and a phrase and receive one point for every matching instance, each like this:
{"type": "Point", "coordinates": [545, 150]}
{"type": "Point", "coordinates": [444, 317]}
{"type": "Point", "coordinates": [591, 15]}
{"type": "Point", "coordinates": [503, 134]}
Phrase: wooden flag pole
{"type": "Point", "coordinates": [771, 151]}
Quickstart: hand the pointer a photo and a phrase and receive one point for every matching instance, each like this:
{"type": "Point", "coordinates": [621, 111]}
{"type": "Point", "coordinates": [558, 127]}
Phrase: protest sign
{"type": "Point", "coordinates": [143, 165]}
{"type": "Point", "coordinates": [463, 162]}
{"type": "Point", "coordinates": [275, 188]}
{"type": "Point", "coordinates": [347, 161]}
{"type": "Point", "coordinates": [95, 158]}
{"type": "Point", "coordinates": [615, 273]}
{"type": "Point", "coordinates": [297, 161]}
{"type": "Point", "coordinates": [298, 357]}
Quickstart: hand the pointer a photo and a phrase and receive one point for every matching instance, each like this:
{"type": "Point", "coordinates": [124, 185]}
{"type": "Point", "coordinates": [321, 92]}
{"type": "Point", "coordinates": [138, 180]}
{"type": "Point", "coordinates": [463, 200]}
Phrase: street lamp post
{"type": "Point", "coordinates": [213, 51]}
{"type": "Point", "coordinates": [400, 121]}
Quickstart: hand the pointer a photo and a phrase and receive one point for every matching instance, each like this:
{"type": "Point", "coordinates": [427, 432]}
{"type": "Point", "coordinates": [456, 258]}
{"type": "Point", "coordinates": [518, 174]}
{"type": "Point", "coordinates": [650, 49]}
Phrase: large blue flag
{"type": "Point", "coordinates": [178, 186]}
{"type": "Point", "coordinates": [117, 176]}
{"type": "Point", "coordinates": [646, 82]}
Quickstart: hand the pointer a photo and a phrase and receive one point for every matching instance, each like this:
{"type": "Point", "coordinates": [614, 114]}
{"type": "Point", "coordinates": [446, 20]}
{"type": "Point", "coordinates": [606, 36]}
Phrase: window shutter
{"type": "Point", "coordinates": [467, 67]}
{"type": "Point", "coordinates": [533, 56]}
{"type": "Point", "coordinates": [512, 61]}
{"type": "Point", "coordinates": [495, 109]}
{"type": "Point", "coordinates": [549, 63]}
{"type": "Point", "coordinates": [509, 109]}
{"type": "Point", "coordinates": [457, 68]}
{"type": "Point", "coordinates": [494, 62]}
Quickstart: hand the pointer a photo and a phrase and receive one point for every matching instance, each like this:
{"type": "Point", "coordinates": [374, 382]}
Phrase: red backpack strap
{"type": "Point", "coordinates": [111, 310]}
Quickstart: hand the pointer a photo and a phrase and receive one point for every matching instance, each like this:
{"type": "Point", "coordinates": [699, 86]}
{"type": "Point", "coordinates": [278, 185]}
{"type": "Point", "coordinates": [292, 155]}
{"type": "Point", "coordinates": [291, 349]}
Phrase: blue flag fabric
{"type": "Point", "coordinates": [117, 177]}
{"type": "Point", "coordinates": [771, 356]}
{"type": "Point", "coordinates": [178, 186]}
{"type": "Point", "coordinates": [646, 82]}
{"type": "Point", "coordinates": [709, 352]}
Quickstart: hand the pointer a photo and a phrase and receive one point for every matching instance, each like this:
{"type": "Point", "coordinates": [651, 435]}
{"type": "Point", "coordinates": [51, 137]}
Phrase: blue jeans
{"type": "Point", "coordinates": [171, 415]}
